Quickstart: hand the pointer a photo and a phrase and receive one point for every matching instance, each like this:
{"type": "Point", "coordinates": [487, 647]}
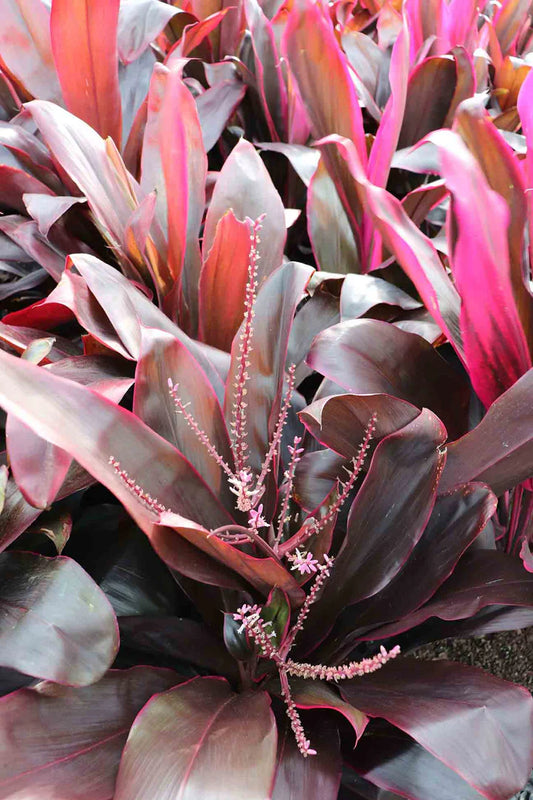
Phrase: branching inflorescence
{"type": "Point", "coordinates": [259, 632]}
{"type": "Point", "coordinates": [249, 489]}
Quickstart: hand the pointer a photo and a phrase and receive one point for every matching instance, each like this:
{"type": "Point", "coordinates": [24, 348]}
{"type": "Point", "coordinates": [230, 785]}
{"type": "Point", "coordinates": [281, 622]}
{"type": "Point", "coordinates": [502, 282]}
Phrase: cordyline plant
{"type": "Point", "coordinates": [248, 515]}
{"type": "Point", "coordinates": [306, 489]}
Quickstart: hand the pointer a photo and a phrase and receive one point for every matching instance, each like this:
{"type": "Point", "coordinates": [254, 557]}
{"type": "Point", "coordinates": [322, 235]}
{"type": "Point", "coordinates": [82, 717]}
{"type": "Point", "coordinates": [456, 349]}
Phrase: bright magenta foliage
{"type": "Point", "coordinates": [266, 367]}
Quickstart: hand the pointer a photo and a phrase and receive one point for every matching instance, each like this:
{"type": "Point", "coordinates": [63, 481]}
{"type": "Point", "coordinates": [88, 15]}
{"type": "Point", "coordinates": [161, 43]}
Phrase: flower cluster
{"type": "Point", "coordinates": [259, 631]}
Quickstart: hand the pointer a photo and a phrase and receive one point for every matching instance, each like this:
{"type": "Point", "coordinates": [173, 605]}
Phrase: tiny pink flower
{"type": "Point", "coordinates": [304, 562]}
{"type": "Point", "coordinates": [256, 518]}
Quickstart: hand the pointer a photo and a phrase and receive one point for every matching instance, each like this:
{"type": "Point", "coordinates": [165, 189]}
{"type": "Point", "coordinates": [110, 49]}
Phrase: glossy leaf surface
{"type": "Point", "coordinates": [67, 742]}
{"type": "Point", "coordinates": [42, 635]}
{"type": "Point", "coordinates": [188, 759]}
{"type": "Point", "coordinates": [441, 705]}
{"type": "Point", "coordinates": [84, 44]}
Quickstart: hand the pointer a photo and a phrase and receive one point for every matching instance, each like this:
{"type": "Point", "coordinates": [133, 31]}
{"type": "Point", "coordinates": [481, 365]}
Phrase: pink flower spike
{"type": "Point", "coordinates": [304, 562]}
{"type": "Point", "coordinates": [256, 518]}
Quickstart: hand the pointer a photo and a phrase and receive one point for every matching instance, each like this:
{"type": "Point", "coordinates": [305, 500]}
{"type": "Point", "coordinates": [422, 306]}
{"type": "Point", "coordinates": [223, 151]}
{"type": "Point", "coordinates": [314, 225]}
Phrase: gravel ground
{"type": "Point", "coordinates": [508, 655]}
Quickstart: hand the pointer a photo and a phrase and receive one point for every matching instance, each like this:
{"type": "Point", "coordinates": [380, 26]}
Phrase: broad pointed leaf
{"type": "Point", "coordinates": [498, 451]}
{"type": "Point", "coordinates": [163, 359]}
{"type": "Point", "coordinates": [479, 725]}
{"type": "Point", "coordinates": [84, 43]}
{"type": "Point", "coordinates": [314, 778]}
{"type": "Point", "coordinates": [482, 578]}
{"type": "Point", "coordinates": [72, 642]}
{"type": "Point", "coordinates": [394, 504]}
{"type": "Point", "coordinates": [262, 573]}
{"type": "Point", "coordinates": [215, 743]}
{"type": "Point", "coordinates": [392, 760]}
{"type": "Point", "coordinates": [339, 421]}
{"type": "Point", "coordinates": [363, 355]}
{"type": "Point", "coordinates": [245, 186]}
{"type": "Point", "coordinates": [59, 742]}
{"type": "Point", "coordinates": [94, 430]}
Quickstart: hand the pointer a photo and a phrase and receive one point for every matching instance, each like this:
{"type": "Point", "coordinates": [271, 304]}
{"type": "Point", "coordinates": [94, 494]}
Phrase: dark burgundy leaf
{"type": "Point", "coordinates": [392, 760]}
{"type": "Point", "coordinates": [177, 638]}
{"type": "Point", "coordinates": [213, 742]}
{"type": "Point", "coordinates": [163, 358]}
{"type": "Point", "coordinates": [498, 451]}
{"type": "Point", "coordinates": [362, 356]}
{"type": "Point", "coordinates": [315, 778]}
{"type": "Point", "coordinates": [394, 504]}
{"type": "Point", "coordinates": [482, 578]}
{"type": "Point", "coordinates": [339, 421]}
{"type": "Point", "coordinates": [478, 725]}
{"type": "Point", "coordinates": [58, 742]}
{"type": "Point", "coordinates": [41, 633]}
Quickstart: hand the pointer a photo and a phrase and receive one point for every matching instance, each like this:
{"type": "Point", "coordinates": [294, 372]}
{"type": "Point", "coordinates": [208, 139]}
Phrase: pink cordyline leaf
{"type": "Point", "coordinates": [388, 133]}
{"type": "Point", "coordinates": [217, 744]}
{"type": "Point", "coordinates": [504, 174]}
{"type": "Point", "coordinates": [414, 251]}
{"type": "Point", "coordinates": [26, 48]}
{"type": "Point", "coordinates": [495, 348]}
{"type": "Point", "coordinates": [525, 110]}
{"type": "Point", "coordinates": [84, 43]}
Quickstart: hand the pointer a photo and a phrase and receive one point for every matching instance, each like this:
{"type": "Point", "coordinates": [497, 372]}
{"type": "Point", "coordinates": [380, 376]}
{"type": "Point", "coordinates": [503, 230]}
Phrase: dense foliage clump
{"type": "Point", "coordinates": [266, 386]}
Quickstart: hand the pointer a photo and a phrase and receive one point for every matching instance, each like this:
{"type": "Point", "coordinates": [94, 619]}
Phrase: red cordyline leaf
{"type": "Point", "coordinates": [84, 43]}
{"type": "Point", "coordinates": [175, 165]}
{"type": "Point", "coordinates": [245, 187]}
{"type": "Point", "coordinates": [317, 62]}
{"type": "Point", "coordinates": [223, 282]}
{"type": "Point", "coordinates": [268, 71]}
